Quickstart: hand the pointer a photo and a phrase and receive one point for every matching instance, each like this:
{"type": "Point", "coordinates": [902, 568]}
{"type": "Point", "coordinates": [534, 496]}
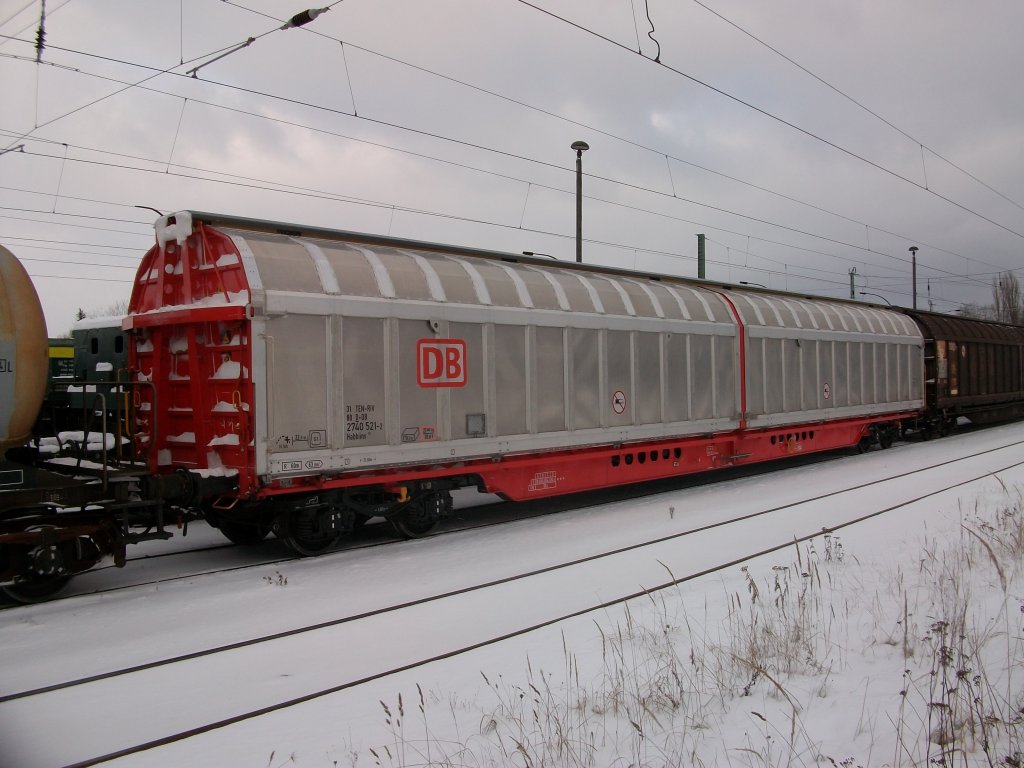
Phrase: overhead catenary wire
{"type": "Point", "coordinates": [641, 188]}
{"type": "Point", "coordinates": [859, 104]}
{"type": "Point", "coordinates": [94, 102]}
{"type": "Point", "coordinates": [478, 146]}
{"type": "Point", "coordinates": [268, 185]}
{"type": "Point", "coordinates": [623, 246]}
{"type": "Point", "coordinates": [322, 194]}
{"type": "Point", "coordinates": [796, 272]}
{"type": "Point", "coordinates": [552, 165]}
{"type": "Point", "coordinates": [68, 224]}
{"type": "Point", "coordinates": [600, 131]}
{"type": "Point", "coordinates": [489, 172]}
{"type": "Point", "coordinates": [510, 155]}
{"type": "Point", "coordinates": [297, 20]}
{"type": "Point", "coordinates": [776, 118]}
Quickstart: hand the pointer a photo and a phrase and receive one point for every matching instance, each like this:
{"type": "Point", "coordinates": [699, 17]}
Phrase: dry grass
{"type": "Point", "coordinates": [668, 680]}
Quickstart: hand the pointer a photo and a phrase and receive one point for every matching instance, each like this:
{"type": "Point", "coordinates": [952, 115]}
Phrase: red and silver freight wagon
{"type": "Point", "coordinates": [324, 377]}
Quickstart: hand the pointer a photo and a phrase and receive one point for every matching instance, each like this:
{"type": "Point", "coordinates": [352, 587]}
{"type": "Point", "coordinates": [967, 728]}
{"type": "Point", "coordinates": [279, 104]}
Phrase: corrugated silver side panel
{"type": "Point", "coordinates": [585, 358]}
{"type": "Point", "coordinates": [297, 383]}
{"type": "Point", "coordinates": [702, 363]}
{"type": "Point", "coordinates": [356, 402]}
{"type": "Point", "coordinates": [363, 375]}
{"type": "Point", "coordinates": [517, 378]}
{"type": "Point", "coordinates": [677, 375]}
{"type": "Point", "coordinates": [471, 398]}
{"type": "Point", "coordinates": [755, 377]}
{"type": "Point", "coordinates": [510, 379]}
{"type": "Point", "coordinates": [335, 360]}
{"type": "Point", "coordinates": [856, 372]}
{"type": "Point", "coordinates": [648, 377]}
{"type": "Point", "coordinates": [416, 409]}
{"type": "Point", "coordinates": [257, 341]}
{"type": "Point", "coordinates": [841, 377]}
{"type": "Point", "coordinates": [811, 370]}
{"type": "Point", "coordinates": [549, 374]}
{"type": "Point", "coordinates": [807, 379]}
{"type": "Point", "coordinates": [727, 396]}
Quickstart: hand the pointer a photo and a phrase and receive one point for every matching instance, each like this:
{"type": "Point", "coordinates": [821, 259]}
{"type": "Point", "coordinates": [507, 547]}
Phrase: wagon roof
{"type": "Point", "coordinates": [374, 242]}
{"type": "Point", "coordinates": [951, 328]}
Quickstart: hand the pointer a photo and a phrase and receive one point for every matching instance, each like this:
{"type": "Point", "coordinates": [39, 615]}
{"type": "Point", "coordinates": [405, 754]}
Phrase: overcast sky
{"type": "Point", "coordinates": [451, 121]}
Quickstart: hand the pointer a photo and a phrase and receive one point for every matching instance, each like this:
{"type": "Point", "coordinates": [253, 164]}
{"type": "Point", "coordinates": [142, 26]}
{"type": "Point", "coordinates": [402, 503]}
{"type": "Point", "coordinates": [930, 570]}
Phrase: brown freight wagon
{"type": "Point", "coordinates": [973, 368]}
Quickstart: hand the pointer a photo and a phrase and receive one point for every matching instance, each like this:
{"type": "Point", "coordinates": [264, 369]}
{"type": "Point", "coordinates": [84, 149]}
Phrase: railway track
{"type": "Point", "coordinates": [687, 552]}
{"type": "Point", "coordinates": [177, 563]}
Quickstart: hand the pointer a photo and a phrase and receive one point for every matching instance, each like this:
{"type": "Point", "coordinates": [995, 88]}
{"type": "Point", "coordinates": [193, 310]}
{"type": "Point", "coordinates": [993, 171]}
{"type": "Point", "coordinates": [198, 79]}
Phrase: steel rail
{"type": "Point", "coordinates": [535, 572]}
{"type": "Point", "coordinates": [644, 592]}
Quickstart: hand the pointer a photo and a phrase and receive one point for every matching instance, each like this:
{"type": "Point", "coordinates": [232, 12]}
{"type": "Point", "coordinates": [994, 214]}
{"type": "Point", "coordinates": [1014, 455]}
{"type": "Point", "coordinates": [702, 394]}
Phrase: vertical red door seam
{"type": "Point", "coordinates": [743, 359]}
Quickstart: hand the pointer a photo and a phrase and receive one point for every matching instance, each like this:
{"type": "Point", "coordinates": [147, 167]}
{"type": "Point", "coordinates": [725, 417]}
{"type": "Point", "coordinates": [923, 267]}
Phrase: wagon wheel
{"type": "Point", "coordinates": [416, 519]}
{"type": "Point", "coordinates": [36, 589]}
{"type": "Point", "coordinates": [299, 530]}
{"type": "Point", "coordinates": [885, 438]}
{"type": "Point", "coordinates": [34, 586]}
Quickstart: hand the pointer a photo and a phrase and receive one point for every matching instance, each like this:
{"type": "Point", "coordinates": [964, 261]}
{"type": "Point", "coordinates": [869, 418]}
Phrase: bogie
{"type": "Point", "coordinates": [421, 515]}
{"type": "Point", "coordinates": [313, 525]}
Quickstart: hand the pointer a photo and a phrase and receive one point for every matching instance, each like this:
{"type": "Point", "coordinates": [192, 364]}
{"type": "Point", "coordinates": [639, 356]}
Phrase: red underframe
{"type": "Point", "coordinates": [537, 475]}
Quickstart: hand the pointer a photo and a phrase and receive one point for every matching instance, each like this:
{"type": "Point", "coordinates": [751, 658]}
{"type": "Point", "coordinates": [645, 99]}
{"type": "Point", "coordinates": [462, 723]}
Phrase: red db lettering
{"type": "Point", "coordinates": [431, 357]}
{"type": "Point", "coordinates": [441, 363]}
{"type": "Point", "coordinates": [453, 364]}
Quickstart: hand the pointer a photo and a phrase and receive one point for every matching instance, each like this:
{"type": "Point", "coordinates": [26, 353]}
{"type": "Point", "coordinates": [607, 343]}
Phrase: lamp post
{"type": "Point", "coordinates": [580, 147]}
{"type": "Point", "coordinates": [913, 270]}
{"type": "Point", "coordinates": [878, 295]}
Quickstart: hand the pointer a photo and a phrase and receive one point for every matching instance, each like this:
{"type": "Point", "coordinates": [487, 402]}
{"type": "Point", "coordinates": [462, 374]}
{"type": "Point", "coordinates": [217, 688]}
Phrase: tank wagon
{"type": "Point", "coordinates": [24, 353]}
{"type": "Point", "coordinates": [56, 519]}
{"type": "Point", "coordinates": [329, 377]}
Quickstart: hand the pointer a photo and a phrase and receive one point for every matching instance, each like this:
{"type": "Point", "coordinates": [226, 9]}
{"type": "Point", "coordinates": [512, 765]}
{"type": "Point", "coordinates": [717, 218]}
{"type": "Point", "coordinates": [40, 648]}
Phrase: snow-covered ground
{"type": "Point", "coordinates": [833, 649]}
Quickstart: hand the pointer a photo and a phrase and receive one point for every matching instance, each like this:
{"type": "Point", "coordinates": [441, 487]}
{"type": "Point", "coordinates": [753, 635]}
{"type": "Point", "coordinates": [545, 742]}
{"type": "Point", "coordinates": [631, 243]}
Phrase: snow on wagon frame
{"type": "Point", "coordinates": [336, 376]}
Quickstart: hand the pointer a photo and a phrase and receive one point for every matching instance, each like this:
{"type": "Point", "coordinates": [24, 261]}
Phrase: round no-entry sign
{"type": "Point", "coordinates": [619, 402]}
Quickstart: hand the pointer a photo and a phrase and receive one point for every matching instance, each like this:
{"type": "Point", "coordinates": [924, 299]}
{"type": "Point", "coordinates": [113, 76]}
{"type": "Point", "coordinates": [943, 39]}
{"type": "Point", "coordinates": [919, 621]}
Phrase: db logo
{"type": "Point", "coordinates": [441, 363]}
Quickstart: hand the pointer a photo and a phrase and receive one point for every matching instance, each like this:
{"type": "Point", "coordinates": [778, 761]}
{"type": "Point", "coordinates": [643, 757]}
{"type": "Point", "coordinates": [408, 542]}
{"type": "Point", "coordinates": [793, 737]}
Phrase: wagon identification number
{"type": "Point", "coordinates": [441, 363]}
{"type": "Point", "coordinates": [361, 421]}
